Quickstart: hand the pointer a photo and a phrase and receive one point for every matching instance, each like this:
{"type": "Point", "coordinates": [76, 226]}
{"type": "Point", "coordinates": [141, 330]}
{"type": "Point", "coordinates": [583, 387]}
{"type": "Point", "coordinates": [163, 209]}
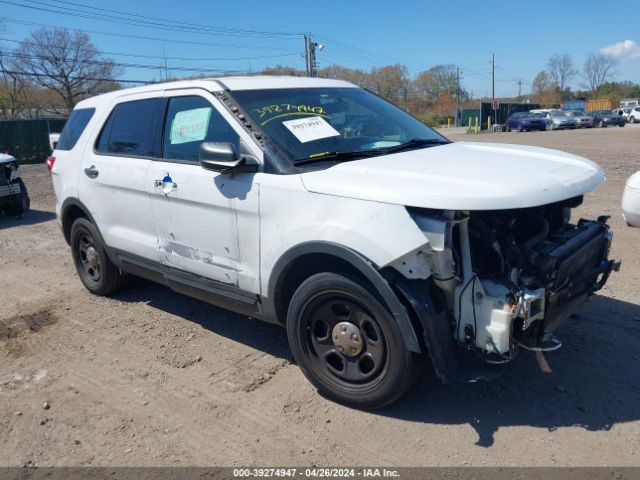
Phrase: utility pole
{"type": "Point", "coordinates": [313, 64]}
{"type": "Point", "coordinates": [312, 58]}
{"type": "Point", "coordinates": [457, 96]}
{"type": "Point", "coordinates": [519, 88]}
{"type": "Point", "coordinates": [493, 88]}
{"type": "Point", "coordinates": [306, 54]}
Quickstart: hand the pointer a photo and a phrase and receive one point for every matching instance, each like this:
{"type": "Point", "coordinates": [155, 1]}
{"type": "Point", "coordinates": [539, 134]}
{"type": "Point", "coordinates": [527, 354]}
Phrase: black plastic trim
{"type": "Point", "coordinates": [450, 363]}
{"type": "Point", "coordinates": [364, 266]}
{"type": "Point", "coordinates": [206, 289]}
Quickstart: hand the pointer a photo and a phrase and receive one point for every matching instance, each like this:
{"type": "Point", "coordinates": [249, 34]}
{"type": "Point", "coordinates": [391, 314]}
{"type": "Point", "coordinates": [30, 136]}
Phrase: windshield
{"type": "Point", "coordinates": [310, 123]}
{"type": "Point", "coordinates": [559, 114]}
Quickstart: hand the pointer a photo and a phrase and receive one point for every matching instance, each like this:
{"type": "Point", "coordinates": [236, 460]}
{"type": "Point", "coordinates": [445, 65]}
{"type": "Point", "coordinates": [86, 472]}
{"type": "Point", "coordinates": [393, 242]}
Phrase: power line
{"type": "Point", "coordinates": [140, 37]}
{"type": "Point", "coordinates": [160, 57]}
{"type": "Point", "coordinates": [27, 74]}
{"type": "Point", "coordinates": [160, 24]}
{"type": "Point", "coordinates": [235, 30]}
{"type": "Point", "coordinates": [120, 64]}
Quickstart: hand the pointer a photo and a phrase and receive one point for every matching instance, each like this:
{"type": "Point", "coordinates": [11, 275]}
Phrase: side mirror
{"type": "Point", "coordinates": [223, 157]}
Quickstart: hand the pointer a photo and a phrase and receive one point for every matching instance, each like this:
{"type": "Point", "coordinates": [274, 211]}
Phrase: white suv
{"type": "Point", "coordinates": [317, 205]}
{"type": "Point", "coordinates": [634, 115]}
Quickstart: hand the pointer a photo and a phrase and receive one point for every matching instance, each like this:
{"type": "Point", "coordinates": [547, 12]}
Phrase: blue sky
{"type": "Point", "coordinates": [361, 34]}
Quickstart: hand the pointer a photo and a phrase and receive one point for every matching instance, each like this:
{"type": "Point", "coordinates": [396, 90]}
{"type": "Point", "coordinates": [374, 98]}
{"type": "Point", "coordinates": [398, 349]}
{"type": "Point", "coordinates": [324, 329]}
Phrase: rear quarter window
{"type": "Point", "coordinates": [74, 127]}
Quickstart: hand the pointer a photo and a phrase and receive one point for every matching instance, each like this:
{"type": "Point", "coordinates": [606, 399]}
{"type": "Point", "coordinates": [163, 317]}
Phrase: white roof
{"type": "Point", "coordinates": [6, 158]}
{"type": "Point", "coordinates": [257, 82]}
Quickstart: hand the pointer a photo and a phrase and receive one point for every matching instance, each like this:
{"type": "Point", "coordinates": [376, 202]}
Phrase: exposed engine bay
{"type": "Point", "coordinates": [511, 277]}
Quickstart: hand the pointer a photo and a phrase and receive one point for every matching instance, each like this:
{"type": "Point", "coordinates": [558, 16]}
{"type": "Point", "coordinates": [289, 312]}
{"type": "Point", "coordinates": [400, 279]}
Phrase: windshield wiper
{"type": "Point", "coordinates": [416, 142]}
{"type": "Point", "coordinates": [340, 156]}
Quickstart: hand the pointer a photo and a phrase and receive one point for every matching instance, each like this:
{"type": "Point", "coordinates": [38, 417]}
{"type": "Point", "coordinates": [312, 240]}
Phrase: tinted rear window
{"type": "Point", "coordinates": [130, 129]}
{"type": "Point", "coordinates": [74, 127]}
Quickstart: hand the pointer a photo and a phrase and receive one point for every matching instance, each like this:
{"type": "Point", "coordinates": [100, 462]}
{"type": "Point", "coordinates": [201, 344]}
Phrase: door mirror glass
{"type": "Point", "coordinates": [223, 157]}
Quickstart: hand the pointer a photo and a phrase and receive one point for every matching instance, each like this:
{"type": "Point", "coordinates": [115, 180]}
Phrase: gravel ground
{"type": "Point", "coordinates": [150, 377]}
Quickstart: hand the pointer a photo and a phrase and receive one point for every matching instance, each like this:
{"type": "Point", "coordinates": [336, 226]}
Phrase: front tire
{"type": "Point", "coordinates": [347, 344]}
{"type": "Point", "coordinates": [97, 272]}
{"type": "Point", "coordinates": [19, 204]}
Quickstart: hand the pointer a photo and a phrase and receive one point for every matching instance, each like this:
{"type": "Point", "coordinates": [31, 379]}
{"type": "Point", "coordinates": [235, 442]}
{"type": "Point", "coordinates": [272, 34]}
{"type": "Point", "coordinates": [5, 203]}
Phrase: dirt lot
{"type": "Point", "coordinates": [151, 377]}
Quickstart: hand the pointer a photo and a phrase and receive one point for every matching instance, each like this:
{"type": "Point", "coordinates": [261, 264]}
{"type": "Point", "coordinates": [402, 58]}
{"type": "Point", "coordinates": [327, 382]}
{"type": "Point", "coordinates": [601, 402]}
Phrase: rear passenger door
{"type": "Point", "coordinates": [113, 174]}
{"type": "Point", "coordinates": [197, 211]}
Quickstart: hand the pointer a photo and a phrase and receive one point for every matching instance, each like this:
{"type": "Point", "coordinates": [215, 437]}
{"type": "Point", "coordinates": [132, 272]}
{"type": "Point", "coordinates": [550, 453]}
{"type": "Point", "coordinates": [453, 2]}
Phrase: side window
{"type": "Point", "coordinates": [74, 127]}
{"type": "Point", "coordinates": [191, 121]}
{"type": "Point", "coordinates": [130, 129]}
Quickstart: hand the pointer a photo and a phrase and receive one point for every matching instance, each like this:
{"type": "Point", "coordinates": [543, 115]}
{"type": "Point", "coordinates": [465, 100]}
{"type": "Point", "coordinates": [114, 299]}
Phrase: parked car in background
{"type": "Point", "coordinates": [623, 112]}
{"type": "Point", "coordinates": [634, 115]}
{"type": "Point", "coordinates": [545, 113]}
{"type": "Point", "coordinates": [14, 199]}
{"type": "Point", "coordinates": [525, 121]}
{"type": "Point", "coordinates": [560, 120]}
{"type": "Point", "coordinates": [53, 140]}
{"type": "Point", "coordinates": [605, 118]}
{"type": "Point", "coordinates": [583, 120]}
{"type": "Point", "coordinates": [631, 200]}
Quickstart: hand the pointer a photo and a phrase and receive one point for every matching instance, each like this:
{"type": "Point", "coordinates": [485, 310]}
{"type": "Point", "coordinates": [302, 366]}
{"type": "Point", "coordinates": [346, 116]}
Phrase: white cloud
{"type": "Point", "coordinates": [622, 50]}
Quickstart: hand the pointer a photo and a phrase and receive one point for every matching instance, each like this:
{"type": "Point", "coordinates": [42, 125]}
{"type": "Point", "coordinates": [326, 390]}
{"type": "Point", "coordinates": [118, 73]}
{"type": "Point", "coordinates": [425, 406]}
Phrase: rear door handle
{"type": "Point", "coordinates": [91, 171]}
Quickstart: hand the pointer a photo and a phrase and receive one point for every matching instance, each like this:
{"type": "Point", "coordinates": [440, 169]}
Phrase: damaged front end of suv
{"type": "Point", "coordinates": [500, 280]}
{"type": "Point", "coordinates": [14, 199]}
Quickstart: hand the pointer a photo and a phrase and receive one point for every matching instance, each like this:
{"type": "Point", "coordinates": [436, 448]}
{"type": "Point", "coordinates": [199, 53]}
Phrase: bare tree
{"type": "Point", "coordinates": [391, 82]}
{"type": "Point", "coordinates": [543, 89]}
{"type": "Point", "coordinates": [66, 62]}
{"type": "Point", "coordinates": [13, 88]}
{"type": "Point", "coordinates": [561, 70]}
{"type": "Point", "coordinates": [597, 70]}
{"type": "Point", "coordinates": [438, 80]}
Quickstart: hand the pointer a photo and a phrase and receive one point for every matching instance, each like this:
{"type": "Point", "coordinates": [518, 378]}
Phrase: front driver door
{"type": "Point", "coordinates": [196, 211]}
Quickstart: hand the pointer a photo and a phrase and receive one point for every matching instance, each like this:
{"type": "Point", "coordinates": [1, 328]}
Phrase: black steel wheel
{"type": "Point", "coordinates": [95, 269]}
{"type": "Point", "coordinates": [347, 344]}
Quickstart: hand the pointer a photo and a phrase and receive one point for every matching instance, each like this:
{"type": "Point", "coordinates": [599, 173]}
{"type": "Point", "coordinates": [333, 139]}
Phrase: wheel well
{"type": "Point", "coordinates": [304, 267]}
{"type": "Point", "coordinates": [70, 215]}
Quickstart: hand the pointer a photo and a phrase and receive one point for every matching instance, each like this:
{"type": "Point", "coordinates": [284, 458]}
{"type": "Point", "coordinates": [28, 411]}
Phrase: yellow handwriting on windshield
{"type": "Point", "coordinates": [271, 112]}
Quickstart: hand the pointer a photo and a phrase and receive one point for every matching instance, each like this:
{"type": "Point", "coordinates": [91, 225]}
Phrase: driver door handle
{"type": "Point", "coordinates": [91, 171]}
{"type": "Point", "coordinates": [166, 185]}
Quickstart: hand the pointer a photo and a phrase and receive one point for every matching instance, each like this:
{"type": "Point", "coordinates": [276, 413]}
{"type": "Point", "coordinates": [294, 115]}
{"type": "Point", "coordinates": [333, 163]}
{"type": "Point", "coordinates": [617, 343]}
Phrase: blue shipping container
{"type": "Point", "coordinates": [574, 105]}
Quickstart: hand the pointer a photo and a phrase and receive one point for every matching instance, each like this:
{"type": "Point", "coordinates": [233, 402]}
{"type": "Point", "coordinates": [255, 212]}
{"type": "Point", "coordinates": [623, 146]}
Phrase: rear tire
{"type": "Point", "coordinates": [374, 368]}
{"type": "Point", "coordinates": [97, 272]}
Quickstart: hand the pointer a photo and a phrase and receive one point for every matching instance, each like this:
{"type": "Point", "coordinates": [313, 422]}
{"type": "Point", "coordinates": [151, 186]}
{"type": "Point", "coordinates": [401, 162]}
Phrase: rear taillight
{"type": "Point", "coordinates": [50, 162]}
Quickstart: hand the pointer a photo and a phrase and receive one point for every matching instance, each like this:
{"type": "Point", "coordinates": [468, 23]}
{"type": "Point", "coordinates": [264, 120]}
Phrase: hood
{"type": "Point", "coordinates": [6, 158]}
{"type": "Point", "coordinates": [461, 176]}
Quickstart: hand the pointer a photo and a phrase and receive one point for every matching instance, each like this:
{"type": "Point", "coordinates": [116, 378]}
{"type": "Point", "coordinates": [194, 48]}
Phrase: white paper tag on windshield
{"type": "Point", "coordinates": [310, 128]}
